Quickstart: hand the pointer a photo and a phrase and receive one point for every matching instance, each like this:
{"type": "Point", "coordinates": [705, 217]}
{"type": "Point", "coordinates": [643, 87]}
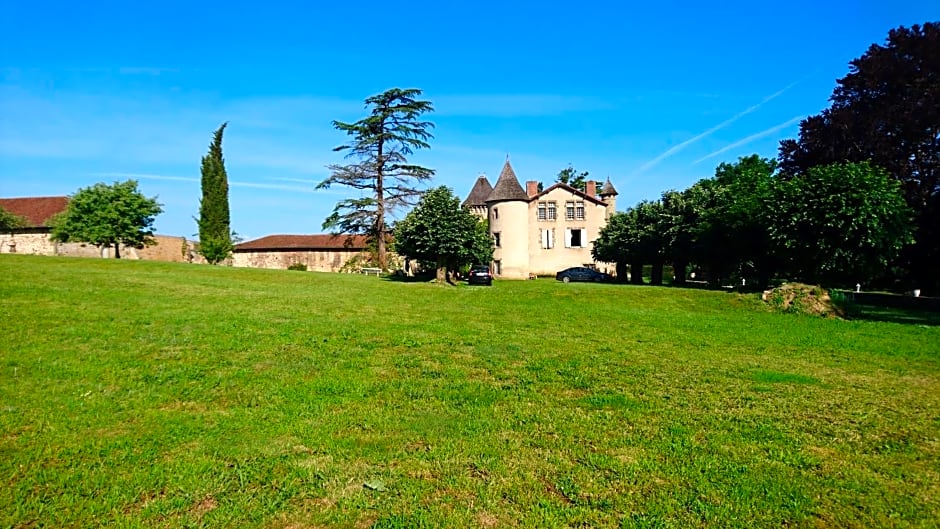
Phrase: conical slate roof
{"type": "Point", "coordinates": [481, 190]}
{"type": "Point", "coordinates": [608, 189]}
{"type": "Point", "coordinates": [507, 187]}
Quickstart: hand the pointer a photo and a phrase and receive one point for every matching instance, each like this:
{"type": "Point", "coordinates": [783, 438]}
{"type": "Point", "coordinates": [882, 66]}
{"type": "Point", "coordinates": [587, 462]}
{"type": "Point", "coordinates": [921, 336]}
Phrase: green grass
{"type": "Point", "coordinates": [142, 394]}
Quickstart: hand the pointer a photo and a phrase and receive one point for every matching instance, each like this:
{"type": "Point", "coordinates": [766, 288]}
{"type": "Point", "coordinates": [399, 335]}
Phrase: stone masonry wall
{"type": "Point", "coordinates": [318, 261]}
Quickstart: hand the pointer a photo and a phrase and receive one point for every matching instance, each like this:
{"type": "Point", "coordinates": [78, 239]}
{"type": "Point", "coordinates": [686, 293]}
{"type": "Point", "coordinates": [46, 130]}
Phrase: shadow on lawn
{"type": "Point", "coordinates": [891, 308]}
{"type": "Point", "coordinates": [887, 307]}
{"type": "Point", "coordinates": [856, 311]}
{"type": "Point", "coordinates": [417, 278]}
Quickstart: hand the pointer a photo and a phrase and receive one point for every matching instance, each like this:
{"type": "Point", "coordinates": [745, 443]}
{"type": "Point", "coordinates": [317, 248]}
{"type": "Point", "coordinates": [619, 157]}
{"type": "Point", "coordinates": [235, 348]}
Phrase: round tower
{"type": "Point", "coordinates": [508, 211]}
{"type": "Point", "coordinates": [476, 200]}
{"type": "Point", "coordinates": [609, 195]}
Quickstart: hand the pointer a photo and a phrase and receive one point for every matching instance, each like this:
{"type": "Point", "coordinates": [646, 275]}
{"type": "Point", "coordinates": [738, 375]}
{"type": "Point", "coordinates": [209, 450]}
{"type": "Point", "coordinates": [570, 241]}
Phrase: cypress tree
{"type": "Point", "coordinates": [215, 232]}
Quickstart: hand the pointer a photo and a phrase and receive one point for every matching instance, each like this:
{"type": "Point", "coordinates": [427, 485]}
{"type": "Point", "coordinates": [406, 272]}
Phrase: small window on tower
{"type": "Point", "coordinates": [496, 240]}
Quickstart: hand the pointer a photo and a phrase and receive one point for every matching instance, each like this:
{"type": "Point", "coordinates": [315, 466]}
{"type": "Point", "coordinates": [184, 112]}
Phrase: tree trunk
{"type": "Point", "coordinates": [441, 271]}
{"type": "Point", "coordinates": [636, 273]}
{"type": "Point", "coordinates": [380, 207]}
{"type": "Point", "coordinates": [117, 250]}
{"type": "Point", "coordinates": [656, 274]}
{"type": "Point", "coordinates": [678, 270]}
{"type": "Point", "coordinates": [621, 272]}
{"type": "Point", "coordinates": [764, 273]}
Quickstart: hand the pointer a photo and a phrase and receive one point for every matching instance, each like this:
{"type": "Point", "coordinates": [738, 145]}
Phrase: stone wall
{"type": "Point", "coordinates": [27, 243]}
{"type": "Point", "coordinates": [316, 260]}
{"type": "Point", "coordinates": [168, 248]}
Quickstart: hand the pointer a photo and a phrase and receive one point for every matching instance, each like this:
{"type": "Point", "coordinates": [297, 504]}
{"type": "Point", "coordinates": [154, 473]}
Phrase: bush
{"type": "Point", "coordinates": [298, 266]}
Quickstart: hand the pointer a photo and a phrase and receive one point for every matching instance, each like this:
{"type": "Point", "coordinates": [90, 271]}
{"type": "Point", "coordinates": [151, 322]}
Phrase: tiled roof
{"type": "Point", "coordinates": [608, 189]}
{"type": "Point", "coordinates": [507, 187]}
{"type": "Point", "coordinates": [573, 191]}
{"type": "Point", "coordinates": [324, 241]}
{"type": "Point", "coordinates": [478, 195]}
{"type": "Point", "coordinates": [37, 210]}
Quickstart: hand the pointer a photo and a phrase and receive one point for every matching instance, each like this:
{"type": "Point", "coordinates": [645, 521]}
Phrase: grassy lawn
{"type": "Point", "coordinates": [143, 394]}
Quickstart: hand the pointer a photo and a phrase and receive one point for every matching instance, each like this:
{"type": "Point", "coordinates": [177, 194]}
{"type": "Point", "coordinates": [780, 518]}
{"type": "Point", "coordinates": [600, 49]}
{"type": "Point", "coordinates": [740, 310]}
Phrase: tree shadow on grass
{"type": "Point", "coordinates": [403, 278]}
{"type": "Point", "coordinates": [887, 307]}
{"type": "Point", "coordinates": [418, 278]}
{"type": "Point", "coordinates": [855, 311]}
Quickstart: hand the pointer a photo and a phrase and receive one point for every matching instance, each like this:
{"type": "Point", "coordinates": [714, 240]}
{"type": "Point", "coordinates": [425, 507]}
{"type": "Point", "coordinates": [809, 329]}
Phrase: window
{"type": "Point", "coordinates": [574, 238]}
{"type": "Point", "coordinates": [569, 210]}
{"type": "Point", "coordinates": [495, 213]}
{"type": "Point", "coordinates": [496, 239]}
{"type": "Point", "coordinates": [579, 210]}
{"type": "Point", "coordinates": [548, 239]}
{"type": "Point", "coordinates": [546, 211]}
{"type": "Point", "coordinates": [497, 267]}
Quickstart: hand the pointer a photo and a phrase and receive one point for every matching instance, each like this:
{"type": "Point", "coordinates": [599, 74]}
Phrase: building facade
{"type": "Point", "coordinates": [35, 236]}
{"type": "Point", "coordinates": [541, 232]}
{"type": "Point", "coordinates": [319, 253]}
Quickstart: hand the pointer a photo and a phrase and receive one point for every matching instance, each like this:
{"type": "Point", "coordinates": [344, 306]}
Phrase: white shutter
{"type": "Point", "coordinates": [548, 239]}
{"type": "Point", "coordinates": [567, 237]}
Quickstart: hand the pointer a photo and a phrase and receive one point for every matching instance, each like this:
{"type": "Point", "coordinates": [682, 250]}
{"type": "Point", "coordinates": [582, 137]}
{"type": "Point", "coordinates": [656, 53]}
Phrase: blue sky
{"type": "Point", "coordinates": [652, 95]}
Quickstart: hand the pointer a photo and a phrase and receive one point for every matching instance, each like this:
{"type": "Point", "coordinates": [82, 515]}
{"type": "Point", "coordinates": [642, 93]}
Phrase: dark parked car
{"type": "Point", "coordinates": [583, 273]}
{"type": "Point", "coordinates": [480, 275]}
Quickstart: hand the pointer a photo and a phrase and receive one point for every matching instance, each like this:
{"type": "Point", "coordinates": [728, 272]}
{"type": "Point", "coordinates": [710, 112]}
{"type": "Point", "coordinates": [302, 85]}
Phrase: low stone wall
{"type": "Point", "coordinates": [27, 243]}
{"type": "Point", "coordinates": [167, 248]}
{"type": "Point", "coordinates": [315, 260]}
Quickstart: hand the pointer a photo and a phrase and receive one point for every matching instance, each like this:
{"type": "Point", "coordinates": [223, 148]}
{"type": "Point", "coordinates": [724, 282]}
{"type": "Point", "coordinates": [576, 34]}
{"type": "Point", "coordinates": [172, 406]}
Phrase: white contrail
{"type": "Point", "coordinates": [750, 138]}
{"type": "Point", "coordinates": [723, 124]}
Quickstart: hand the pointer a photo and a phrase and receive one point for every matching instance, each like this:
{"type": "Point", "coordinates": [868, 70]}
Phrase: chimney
{"type": "Point", "coordinates": [531, 188]}
{"type": "Point", "coordinates": [591, 188]}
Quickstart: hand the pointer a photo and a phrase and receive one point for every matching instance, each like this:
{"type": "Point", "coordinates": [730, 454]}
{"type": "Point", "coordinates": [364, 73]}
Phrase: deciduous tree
{"type": "Point", "coordinates": [736, 221]}
{"type": "Point", "coordinates": [215, 231]}
{"type": "Point", "coordinates": [634, 237]}
{"type": "Point", "coordinates": [108, 215]}
{"type": "Point", "coordinates": [573, 178]}
{"type": "Point", "coordinates": [610, 245]}
{"type": "Point", "coordinates": [839, 224]}
{"type": "Point", "coordinates": [9, 221]}
{"type": "Point", "coordinates": [381, 144]}
{"type": "Point", "coordinates": [439, 231]}
{"type": "Point", "coordinates": [886, 111]}
{"type": "Point", "coordinates": [681, 215]}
